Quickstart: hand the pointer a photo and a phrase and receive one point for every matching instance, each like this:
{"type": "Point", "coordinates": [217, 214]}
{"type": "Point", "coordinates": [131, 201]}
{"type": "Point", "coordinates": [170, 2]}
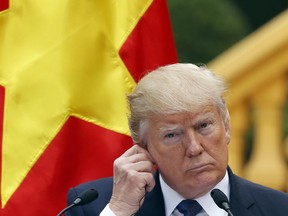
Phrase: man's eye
{"type": "Point", "coordinates": [204, 125]}
{"type": "Point", "coordinates": [170, 135]}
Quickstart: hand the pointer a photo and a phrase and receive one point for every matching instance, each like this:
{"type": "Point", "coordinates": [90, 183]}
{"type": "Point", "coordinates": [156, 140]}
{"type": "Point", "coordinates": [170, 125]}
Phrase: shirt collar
{"type": "Point", "coordinates": [172, 198]}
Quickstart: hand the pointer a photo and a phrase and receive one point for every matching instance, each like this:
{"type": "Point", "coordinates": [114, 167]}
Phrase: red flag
{"type": "Point", "coordinates": [65, 67]}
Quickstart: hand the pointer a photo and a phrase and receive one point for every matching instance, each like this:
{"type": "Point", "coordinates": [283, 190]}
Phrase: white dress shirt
{"type": "Point", "coordinates": [107, 211]}
{"type": "Point", "coordinates": [172, 199]}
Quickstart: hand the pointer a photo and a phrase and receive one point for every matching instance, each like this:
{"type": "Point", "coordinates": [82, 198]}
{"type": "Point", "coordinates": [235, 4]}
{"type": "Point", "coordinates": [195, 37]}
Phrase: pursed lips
{"type": "Point", "coordinates": [198, 167]}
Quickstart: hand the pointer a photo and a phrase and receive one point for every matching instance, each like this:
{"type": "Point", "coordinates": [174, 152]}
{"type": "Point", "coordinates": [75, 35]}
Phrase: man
{"type": "Point", "coordinates": [180, 126]}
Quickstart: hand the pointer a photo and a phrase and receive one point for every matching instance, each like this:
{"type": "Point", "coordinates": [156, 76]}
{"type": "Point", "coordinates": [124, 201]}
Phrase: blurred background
{"type": "Point", "coordinates": [203, 29]}
{"type": "Point", "coordinates": [246, 42]}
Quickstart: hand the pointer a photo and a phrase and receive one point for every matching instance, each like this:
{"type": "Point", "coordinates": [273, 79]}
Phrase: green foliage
{"type": "Point", "coordinates": [205, 28]}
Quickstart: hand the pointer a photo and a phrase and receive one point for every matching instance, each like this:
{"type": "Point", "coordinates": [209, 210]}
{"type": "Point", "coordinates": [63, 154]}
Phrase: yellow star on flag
{"type": "Point", "coordinates": [53, 67]}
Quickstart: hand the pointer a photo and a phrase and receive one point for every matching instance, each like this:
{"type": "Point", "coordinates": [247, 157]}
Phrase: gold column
{"type": "Point", "coordinates": [239, 125]}
{"type": "Point", "coordinates": [267, 165]}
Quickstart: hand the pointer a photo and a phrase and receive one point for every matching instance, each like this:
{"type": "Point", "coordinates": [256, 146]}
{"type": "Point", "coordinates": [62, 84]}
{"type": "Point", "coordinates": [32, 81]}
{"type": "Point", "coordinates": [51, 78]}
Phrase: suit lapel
{"type": "Point", "coordinates": [241, 201]}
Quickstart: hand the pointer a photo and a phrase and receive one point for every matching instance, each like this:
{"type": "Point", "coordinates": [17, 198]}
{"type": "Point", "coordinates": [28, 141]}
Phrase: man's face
{"type": "Point", "coordinates": [190, 149]}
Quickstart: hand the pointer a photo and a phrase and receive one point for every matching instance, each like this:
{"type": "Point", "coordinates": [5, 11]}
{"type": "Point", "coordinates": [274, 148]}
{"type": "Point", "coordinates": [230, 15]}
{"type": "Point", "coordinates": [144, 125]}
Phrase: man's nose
{"type": "Point", "coordinates": [193, 144]}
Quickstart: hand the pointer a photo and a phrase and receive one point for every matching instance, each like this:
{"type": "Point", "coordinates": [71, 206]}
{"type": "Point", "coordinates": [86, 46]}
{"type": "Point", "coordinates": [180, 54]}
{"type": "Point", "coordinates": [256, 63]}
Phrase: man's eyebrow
{"type": "Point", "coordinates": [205, 116]}
{"type": "Point", "coordinates": [176, 126]}
{"type": "Point", "coordinates": [170, 127]}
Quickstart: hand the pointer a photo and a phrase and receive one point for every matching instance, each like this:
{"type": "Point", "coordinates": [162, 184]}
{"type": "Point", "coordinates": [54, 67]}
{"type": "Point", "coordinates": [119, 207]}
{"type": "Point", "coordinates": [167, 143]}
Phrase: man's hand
{"type": "Point", "coordinates": [133, 177]}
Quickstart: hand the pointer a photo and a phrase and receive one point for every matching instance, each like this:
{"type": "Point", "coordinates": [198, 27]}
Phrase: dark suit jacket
{"type": "Point", "coordinates": [246, 199]}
